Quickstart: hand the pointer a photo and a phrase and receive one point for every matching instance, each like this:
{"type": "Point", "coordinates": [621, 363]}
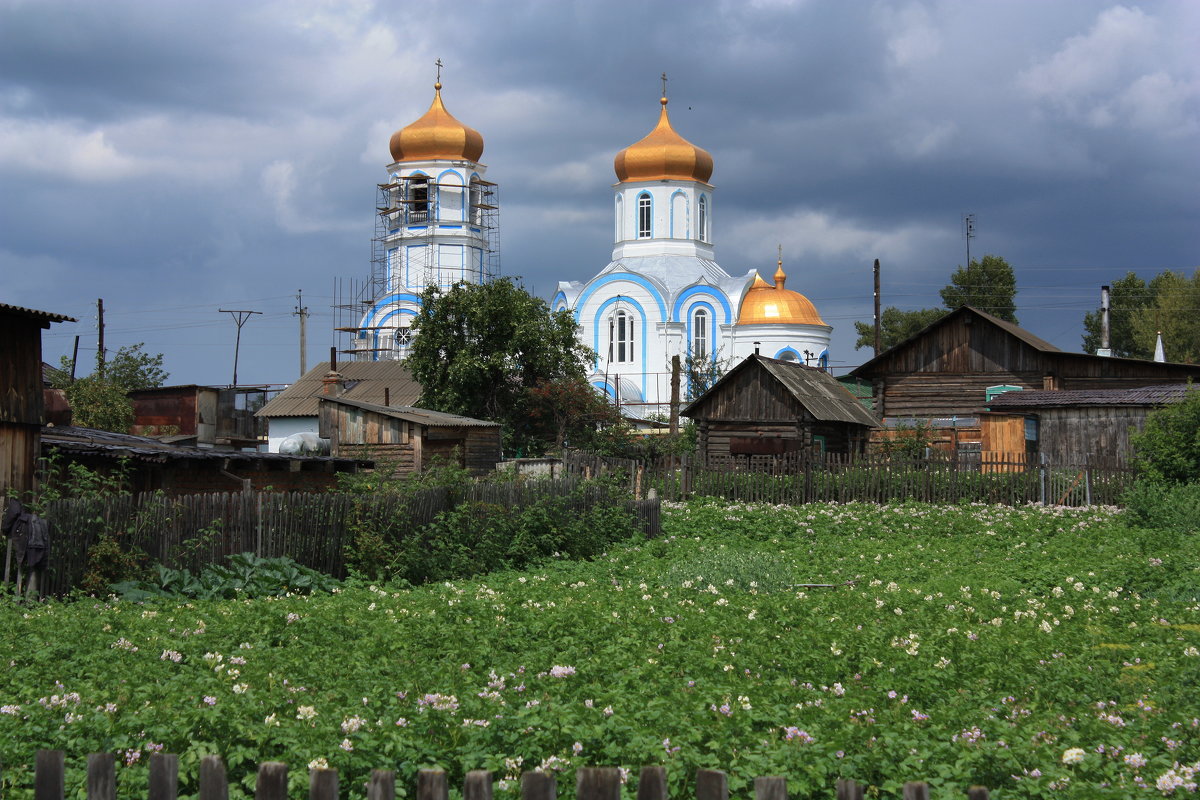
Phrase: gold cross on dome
{"type": "Point", "coordinates": [781, 255]}
{"type": "Point", "coordinates": [439, 70]}
{"type": "Point", "coordinates": [664, 80]}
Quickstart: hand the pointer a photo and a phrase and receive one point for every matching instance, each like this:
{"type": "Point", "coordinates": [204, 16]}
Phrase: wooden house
{"type": "Point", "coordinates": [954, 367]}
{"type": "Point", "coordinates": [769, 407]}
{"type": "Point", "coordinates": [207, 416]}
{"type": "Point", "coordinates": [21, 399]}
{"type": "Point", "coordinates": [294, 410]}
{"type": "Point", "coordinates": [408, 439]}
{"type": "Point", "coordinates": [1070, 426]}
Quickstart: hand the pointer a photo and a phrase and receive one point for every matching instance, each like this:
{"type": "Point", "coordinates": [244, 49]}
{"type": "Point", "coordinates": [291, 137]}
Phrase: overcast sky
{"type": "Point", "coordinates": [176, 158]}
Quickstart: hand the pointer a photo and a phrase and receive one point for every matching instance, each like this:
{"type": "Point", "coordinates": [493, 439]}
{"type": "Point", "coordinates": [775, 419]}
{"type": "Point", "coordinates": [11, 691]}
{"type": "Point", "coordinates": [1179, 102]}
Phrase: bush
{"type": "Point", "coordinates": [245, 576]}
{"type": "Point", "coordinates": [1168, 448]}
{"type": "Point", "coordinates": [1164, 506]}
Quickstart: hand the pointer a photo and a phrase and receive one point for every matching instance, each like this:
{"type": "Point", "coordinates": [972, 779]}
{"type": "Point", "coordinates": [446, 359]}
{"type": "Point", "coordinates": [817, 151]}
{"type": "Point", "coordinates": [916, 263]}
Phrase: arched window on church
{"type": "Point", "coordinates": [475, 215]}
{"type": "Point", "coordinates": [701, 336]}
{"type": "Point", "coordinates": [620, 338]}
{"type": "Point", "coordinates": [702, 218]}
{"type": "Point", "coordinates": [644, 215]}
{"type": "Point", "coordinates": [418, 199]}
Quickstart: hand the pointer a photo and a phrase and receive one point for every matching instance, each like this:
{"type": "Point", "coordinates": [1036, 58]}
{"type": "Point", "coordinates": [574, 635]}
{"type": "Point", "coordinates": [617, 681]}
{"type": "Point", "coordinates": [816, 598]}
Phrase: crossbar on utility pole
{"type": "Point", "coordinates": [302, 312]}
{"type": "Point", "coordinates": [239, 317]}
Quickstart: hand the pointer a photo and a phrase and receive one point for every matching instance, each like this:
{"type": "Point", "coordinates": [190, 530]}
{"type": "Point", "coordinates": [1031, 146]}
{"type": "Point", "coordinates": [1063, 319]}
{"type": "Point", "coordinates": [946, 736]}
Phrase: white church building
{"type": "Point", "coordinates": [663, 294]}
{"type": "Point", "coordinates": [436, 225]}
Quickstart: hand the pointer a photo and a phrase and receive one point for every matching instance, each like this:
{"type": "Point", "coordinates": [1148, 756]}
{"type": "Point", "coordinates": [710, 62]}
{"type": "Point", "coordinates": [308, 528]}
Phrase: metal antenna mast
{"type": "Point", "coordinates": [240, 318]}
{"type": "Point", "coordinates": [968, 234]}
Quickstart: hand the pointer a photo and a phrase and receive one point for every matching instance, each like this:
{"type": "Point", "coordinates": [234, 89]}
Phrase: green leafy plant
{"type": "Point", "coordinates": [244, 576]}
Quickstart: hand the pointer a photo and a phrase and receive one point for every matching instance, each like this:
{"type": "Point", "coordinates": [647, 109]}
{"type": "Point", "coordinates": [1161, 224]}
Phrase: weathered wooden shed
{"type": "Point", "coordinates": [407, 439]}
{"type": "Point", "coordinates": [208, 416]}
{"type": "Point", "coordinates": [21, 403]}
{"type": "Point", "coordinates": [956, 365]}
{"type": "Point", "coordinates": [765, 406]}
{"type": "Point", "coordinates": [1070, 425]}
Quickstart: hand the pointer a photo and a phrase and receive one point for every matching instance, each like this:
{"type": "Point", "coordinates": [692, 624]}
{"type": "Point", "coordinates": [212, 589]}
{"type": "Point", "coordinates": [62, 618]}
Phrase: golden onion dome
{"type": "Point", "coordinates": [436, 135]}
{"type": "Point", "coordinates": [765, 304]}
{"type": "Point", "coordinates": [663, 155]}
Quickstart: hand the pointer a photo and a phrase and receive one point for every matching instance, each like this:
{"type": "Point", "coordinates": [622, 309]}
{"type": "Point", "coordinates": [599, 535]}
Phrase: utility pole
{"type": "Point", "coordinates": [239, 317]}
{"type": "Point", "coordinates": [302, 312]}
{"type": "Point", "coordinates": [878, 322]}
{"type": "Point", "coordinates": [968, 234]}
{"type": "Point", "coordinates": [100, 337]}
{"type": "Point", "coordinates": [675, 370]}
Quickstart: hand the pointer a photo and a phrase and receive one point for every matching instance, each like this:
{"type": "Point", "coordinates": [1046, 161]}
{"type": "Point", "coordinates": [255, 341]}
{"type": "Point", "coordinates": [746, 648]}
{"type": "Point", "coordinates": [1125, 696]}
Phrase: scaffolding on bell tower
{"type": "Point", "coordinates": [417, 223]}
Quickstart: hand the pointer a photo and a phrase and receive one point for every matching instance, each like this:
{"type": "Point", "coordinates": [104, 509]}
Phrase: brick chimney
{"type": "Point", "coordinates": [333, 384]}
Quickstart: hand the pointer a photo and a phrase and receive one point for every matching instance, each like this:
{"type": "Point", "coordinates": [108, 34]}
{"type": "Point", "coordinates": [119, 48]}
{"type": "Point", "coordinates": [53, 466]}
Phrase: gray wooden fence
{"type": "Point", "coordinates": [192, 531]}
{"type": "Point", "coordinates": [591, 783]}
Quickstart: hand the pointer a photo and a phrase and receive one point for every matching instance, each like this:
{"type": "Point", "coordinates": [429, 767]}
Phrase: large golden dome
{"type": "Point", "coordinates": [765, 304]}
{"type": "Point", "coordinates": [437, 135]}
{"type": "Point", "coordinates": [663, 155]}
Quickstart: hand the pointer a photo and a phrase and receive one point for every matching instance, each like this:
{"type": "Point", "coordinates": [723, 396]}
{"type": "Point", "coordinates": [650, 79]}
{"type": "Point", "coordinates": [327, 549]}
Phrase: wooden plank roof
{"type": "Point", "coordinates": [818, 391]}
{"type": "Point", "coordinates": [366, 381]}
{"type": "Point", "coordinates": [45, 317]}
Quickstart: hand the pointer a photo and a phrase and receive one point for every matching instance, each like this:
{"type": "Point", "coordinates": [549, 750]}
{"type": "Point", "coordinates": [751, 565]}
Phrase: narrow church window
{"type": "Point", "coordinates": [700, 334]}
{"type": "Point", "coordinates": [418, 196]}
{"type": "Point", "coordinates": [644, 216]}
{"type": "Point", "coordinates": [702, 218]}
{"type": "Point", "coordinates": [620, 338]}
{"type": "Point", "coordinates": [476, 200]}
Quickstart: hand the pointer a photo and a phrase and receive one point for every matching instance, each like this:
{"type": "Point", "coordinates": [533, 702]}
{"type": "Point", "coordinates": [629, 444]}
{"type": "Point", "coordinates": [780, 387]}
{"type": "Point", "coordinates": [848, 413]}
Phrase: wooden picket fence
{"type": "Point", "coordinates": [591, 783]}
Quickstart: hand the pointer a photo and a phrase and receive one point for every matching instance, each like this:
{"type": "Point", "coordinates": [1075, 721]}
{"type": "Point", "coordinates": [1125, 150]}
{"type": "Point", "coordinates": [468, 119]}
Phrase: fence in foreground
{"type": "Point", "coordinates": [591, 783]}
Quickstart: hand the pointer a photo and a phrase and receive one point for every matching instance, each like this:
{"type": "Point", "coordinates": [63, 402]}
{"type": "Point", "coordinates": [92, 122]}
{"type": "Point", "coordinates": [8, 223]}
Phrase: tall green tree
{"type": "Point", "coordinates": [1128, 298]}
{"type": "Point", "coordinates": [895, 326]}
{"type": "Point", "coordinates": [480, 348]}
{"type": "Point", "coordinates": [1138, 310]}
{"type": "Point", "coordinates": [988, 284]}
{"type": "Point", "coordinates": [101, 400]}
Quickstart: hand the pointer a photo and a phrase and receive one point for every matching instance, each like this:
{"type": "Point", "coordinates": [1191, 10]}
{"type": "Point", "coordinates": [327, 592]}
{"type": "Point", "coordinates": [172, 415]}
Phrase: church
{"type": "Point", "coordinates": [663, 294]}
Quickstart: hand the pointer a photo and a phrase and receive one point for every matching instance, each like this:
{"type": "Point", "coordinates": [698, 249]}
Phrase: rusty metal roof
{"type": "Point", "coordinates": [365, 381]}
{"type": "Point", "coordinates": [818, 391]}
{"type": "Point", "coordinates": [421, 416]}
{"type": "Point", "coordinates": [1157, 395]}
{"type": "Point", "coordinates": [44, 316]}
{"type": "Point", "coordinates": [73, 439]}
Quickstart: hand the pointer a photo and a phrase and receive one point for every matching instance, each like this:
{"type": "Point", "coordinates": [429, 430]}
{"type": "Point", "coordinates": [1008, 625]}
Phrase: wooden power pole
{"type": "Point", "coordinates": [100, 336]}
{"type": "Point", "coordinates": [878, 322]}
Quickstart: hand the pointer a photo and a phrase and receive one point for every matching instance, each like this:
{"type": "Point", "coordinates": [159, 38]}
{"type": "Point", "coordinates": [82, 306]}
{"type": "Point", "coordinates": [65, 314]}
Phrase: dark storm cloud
{"type": "Point", "coordinates": [176, 158]}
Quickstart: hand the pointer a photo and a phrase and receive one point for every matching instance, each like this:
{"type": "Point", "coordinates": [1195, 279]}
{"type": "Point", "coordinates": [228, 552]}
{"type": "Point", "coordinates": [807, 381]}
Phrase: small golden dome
{"type": "Point", "coordinates": [663, 155]}
{"type": "Point", "coordinates": [765, 304]}
{"type": "Point", "coordinates": [437, 135]}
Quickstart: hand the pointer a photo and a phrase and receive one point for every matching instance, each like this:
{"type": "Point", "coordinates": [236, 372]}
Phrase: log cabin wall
{"type": "Point", "coordinates": [947, 370]}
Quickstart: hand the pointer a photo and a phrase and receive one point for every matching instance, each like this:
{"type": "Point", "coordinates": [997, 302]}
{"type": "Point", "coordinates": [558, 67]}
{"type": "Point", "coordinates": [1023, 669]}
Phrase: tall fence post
{"type": "Point", "coordinates": [322, 784]}
{"type": "Point", "coordinates": [598, 783]}
{"type": "Point", "coordinates": [214, 785]}
{"type": "Point", "coordinates": [1042, 476]}
{"type": "Point", "coordinates": [916, 790]}
{"type": "Point", "coordinates": [538, 786]}
{"type": "Point", "coordinates": [164, 776]}
{"type": "Point", "coordinates": [477, 785]}
{"type": "Point", "coordinates": [849, 790]}
{"type": "Point", "coordinates": [101, 777]}
{"type": "Point", "coordinates": [770, 788]}
{"type": "Point", "coordinates": [272, 781]}
{"type": "Point", "coordinates": [711, 784]}
{"type": "Point", "coordinates": [652, 783]}
{"type": "Point", "coordinates": [432, 785]}
{"type": "Point", "coordinates": [48, 778]}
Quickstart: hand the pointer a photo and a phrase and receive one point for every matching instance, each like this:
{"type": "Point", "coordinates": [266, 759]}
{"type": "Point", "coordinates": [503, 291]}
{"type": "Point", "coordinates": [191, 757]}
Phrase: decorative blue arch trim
{"type": "Point", "coordinates": [462, 201]}
{"type": "Point", "coordinates": [391, 299]}
{"type": "Point", "coordinates": [386, 317]}
{"type": "Point", "coordinates": [686, 233]}
{"type": "Point", "coordinates": [691, 312]}
{"type": "Point", "coordinates": [560, 296]}
{"type": "Point", "coordinates": [823, 359]}
{"type": "Point", "coordinates": [612, 392]}
{"type": "Point", "coordinates": [712, 291]}
{"type": "Point", "coordinates": [621, 276]}
{"type": "Point", "coordinates": [597, 325]}
{"type": "Point", "coordinates": [791, 350]}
